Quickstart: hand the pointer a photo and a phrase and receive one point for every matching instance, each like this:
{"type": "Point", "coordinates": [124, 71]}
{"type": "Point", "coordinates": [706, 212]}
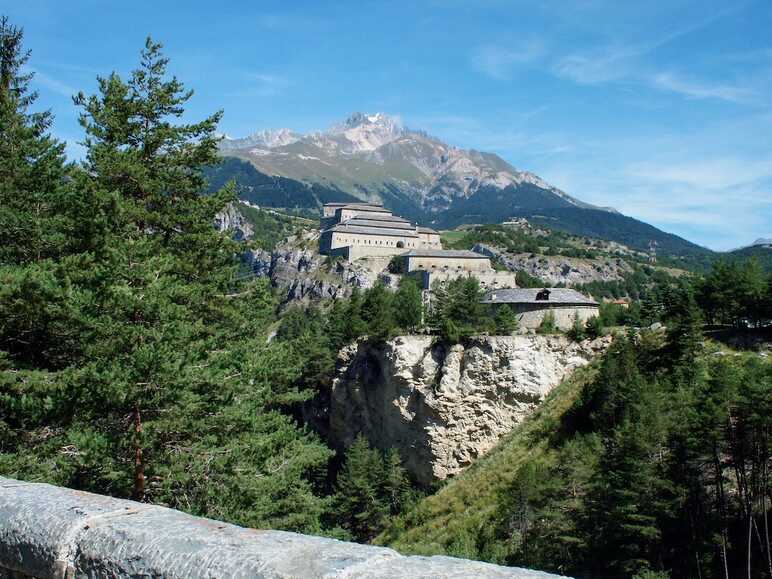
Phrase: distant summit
{"type": "Point", "coordinates": [372, 156]}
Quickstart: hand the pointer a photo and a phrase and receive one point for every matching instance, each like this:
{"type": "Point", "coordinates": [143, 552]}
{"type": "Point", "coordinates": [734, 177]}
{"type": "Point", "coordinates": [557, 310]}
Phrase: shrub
{"type": "Point", "coordinates": [548, 325]}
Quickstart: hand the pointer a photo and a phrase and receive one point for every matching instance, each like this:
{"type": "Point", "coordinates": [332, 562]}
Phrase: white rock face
{"type": "Point", "coordinates": [445, 407]}
{"type": "Point", "coordinates": [267, 138]}
{"type": "Point", "coordinates": [231, 219]}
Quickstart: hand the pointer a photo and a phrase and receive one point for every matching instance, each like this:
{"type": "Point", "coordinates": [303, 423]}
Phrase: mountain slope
{"type": "Point", "coordinates": [372, 157]}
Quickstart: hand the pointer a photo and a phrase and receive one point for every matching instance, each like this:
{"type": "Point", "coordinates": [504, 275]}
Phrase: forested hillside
{"type": "Point", "coordinates": [270, 191]}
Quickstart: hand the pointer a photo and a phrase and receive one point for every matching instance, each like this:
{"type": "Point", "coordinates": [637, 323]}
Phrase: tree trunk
{"type": "Point", "coordinates": [750, 527]}
{"type": "Point", "coordinates": [139, 465]}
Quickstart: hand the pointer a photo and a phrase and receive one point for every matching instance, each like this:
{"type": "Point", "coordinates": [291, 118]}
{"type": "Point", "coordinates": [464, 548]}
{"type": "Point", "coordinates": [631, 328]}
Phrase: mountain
{"type": "Point", "coordinates": [374, 157]}
{"type": "Point", "coordinates": [760, 250]}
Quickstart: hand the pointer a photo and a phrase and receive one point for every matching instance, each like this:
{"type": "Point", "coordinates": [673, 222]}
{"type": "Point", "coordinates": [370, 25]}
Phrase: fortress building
{"type": "Point", "coordinates": [368, 230]}
{"type": "Point", "coordinates": [356, 230]}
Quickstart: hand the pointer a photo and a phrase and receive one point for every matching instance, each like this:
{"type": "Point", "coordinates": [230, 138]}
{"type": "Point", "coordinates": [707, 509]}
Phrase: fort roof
{"type": "Point", "coordinates": [422, 229]}
{"type": "Point", "coordinates": [364, 207]}
{"type": "Point", "coordinates": [364, 230]}
{"type": "Point", "coordinates": [345, 203]}
{"type": "Point", "coordinates": [380, 217]}
{"type": "Point", "coordinates": [563, 296]}
{"type": "Point", "coordinates": [365, 221]}
{"type": "Point", "coordinates": [445, 253]}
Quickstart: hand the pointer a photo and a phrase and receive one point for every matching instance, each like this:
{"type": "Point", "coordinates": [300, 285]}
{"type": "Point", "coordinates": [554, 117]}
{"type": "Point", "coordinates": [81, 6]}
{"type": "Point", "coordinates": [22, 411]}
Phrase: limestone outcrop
{"type": "Point", "coordinates": [443, 407]}
{"type": "Point", "coordinates": [559, 269]}
{"type": "Point", "coordinates": [231, 219]}
{"type": "Point", "coordinates": [302, 274]}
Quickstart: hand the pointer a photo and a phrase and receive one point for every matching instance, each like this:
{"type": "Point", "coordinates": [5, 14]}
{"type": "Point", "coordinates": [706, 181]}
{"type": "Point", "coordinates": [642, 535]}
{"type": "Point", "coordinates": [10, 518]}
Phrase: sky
{"type": "Point", "coordinates": [660, 109]}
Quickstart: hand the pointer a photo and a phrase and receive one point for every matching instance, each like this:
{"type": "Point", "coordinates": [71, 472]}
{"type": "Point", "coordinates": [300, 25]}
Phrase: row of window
{"type": "Point", "coordinates": [358, 241]}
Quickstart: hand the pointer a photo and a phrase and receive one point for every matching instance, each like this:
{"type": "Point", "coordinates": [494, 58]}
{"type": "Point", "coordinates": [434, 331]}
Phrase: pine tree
{"type": "Point", "coordinates": [32, 167]}
{"type": "Point", "coordinates": [396, 484]}
{"type": "Point", "coordinates": [41, 224]}
{"type": "Point", "coordinates": [577, 331]}
{"type": "Point", "coordinates": [174, 395]}
{"type": "Point", "coordinates": [408, 305]}
{"type": "Point", "coordinates": [547, 325]}
{"type": "Point", "coordinates": [505, 320]}
{"type": "Point", "coordinates": [377, 312]}
{"type": "Point", "coordinates": [360, 505]}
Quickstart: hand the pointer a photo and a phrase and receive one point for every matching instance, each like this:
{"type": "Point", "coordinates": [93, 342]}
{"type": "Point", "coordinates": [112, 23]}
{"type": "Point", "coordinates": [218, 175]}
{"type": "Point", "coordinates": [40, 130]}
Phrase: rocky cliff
{"type": "Point", "coordinates": [559, 269]}
{"type": "Point", "coordinates": [297, 269]}
{"type": "Point", "coordinates": [443, 407]}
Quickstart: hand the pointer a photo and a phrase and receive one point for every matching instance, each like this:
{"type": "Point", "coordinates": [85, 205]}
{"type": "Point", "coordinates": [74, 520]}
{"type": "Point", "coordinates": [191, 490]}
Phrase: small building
{"type": "Point", "coordinates": [531, 305]}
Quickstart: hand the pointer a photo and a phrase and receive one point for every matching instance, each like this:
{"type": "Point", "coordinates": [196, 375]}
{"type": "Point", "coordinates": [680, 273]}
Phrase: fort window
{"type": "Point", "coordinates": [400, 244]}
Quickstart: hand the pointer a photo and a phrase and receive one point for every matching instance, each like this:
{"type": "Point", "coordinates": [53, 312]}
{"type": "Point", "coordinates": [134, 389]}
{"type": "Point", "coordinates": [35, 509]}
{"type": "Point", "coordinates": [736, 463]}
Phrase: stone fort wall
{"type": "Point", "coordinates": [530, 316]}
{"type": "Point", "coordinates": [450, 263]}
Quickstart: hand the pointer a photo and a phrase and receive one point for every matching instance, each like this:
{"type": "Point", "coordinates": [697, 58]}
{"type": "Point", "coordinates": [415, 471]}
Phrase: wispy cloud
{"type": "Point", "coordinates": [613, 61]}
{"type": "Point", "coordinates": [697, 90]}
{"type": "Point", "coordinates": [260, 84]}
{"type": "Point", "coordinates": [600, 66]}
{"type": "Point", "coordinates": [706, 174]}
{"type": "Point", "coordinates": [53, 84]}
{"type": "Point", "coordinates": [498, 62]}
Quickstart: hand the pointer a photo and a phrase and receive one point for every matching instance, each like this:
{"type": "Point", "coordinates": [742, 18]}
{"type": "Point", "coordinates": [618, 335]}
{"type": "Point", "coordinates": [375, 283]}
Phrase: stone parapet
{"type": "Point", "coordinates": [50, 532]}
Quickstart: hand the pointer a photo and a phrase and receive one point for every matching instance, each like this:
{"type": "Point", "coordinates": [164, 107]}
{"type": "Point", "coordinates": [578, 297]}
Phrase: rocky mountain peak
{"type": "Point", "coordinates": [355, 120]}
{"type": "Point", "coordinates": [365, 132]}
{"type": "Point", "coordinates": [267, 138]}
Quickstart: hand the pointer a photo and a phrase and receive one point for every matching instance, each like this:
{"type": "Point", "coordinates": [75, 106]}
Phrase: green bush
{"type": "Point", "coordinates": [547, 325]}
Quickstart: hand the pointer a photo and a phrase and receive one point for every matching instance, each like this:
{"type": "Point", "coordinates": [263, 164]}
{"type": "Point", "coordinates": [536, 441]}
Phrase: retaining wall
{"type": "Point", "coordinates": [52, 532]}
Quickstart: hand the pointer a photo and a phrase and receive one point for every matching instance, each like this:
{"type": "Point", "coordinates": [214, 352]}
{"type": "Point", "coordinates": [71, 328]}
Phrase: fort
{"type": "Point", "coordinates": [356, 230]}
{"type": "Point", "coordinates": [369, 230]}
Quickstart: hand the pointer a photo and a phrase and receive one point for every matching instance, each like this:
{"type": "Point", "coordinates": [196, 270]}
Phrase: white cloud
{"type": "Point", "coordinates": [497, 62]}
{"type": "Point", "coordinates": [592, 69]}
{"type": "Point", "coordinates": [706, 174]}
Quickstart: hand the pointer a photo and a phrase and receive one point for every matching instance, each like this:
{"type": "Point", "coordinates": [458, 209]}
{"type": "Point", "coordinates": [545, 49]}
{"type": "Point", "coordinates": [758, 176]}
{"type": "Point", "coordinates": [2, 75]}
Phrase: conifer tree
{"type": "Point", "coordinates": [407, 305]}
{"type": "Point", "coordinates": [396, 485]}
{"type": "Point", "coordinates": [32, 167]}
{"type": "Point", "coordinates": [547, 325]}
{"type": "Point", "coordinates": [360, 505]}
{"type": "Point", "coordinates": [377, 312]}
{"type": "Point", "coordinates": [174, 395]}
{"type": "Point", "coordinates": [578, 331]}
{"type": "Point", "coordinates": [505, 320]}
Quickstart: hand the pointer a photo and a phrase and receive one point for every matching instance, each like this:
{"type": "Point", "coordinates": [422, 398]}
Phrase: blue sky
{"type": "Point", "coordinates": [660, 109]}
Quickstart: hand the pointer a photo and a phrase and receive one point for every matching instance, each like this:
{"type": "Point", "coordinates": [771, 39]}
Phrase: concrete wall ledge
{"type": "Point", "coordinates": [50, 532]}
